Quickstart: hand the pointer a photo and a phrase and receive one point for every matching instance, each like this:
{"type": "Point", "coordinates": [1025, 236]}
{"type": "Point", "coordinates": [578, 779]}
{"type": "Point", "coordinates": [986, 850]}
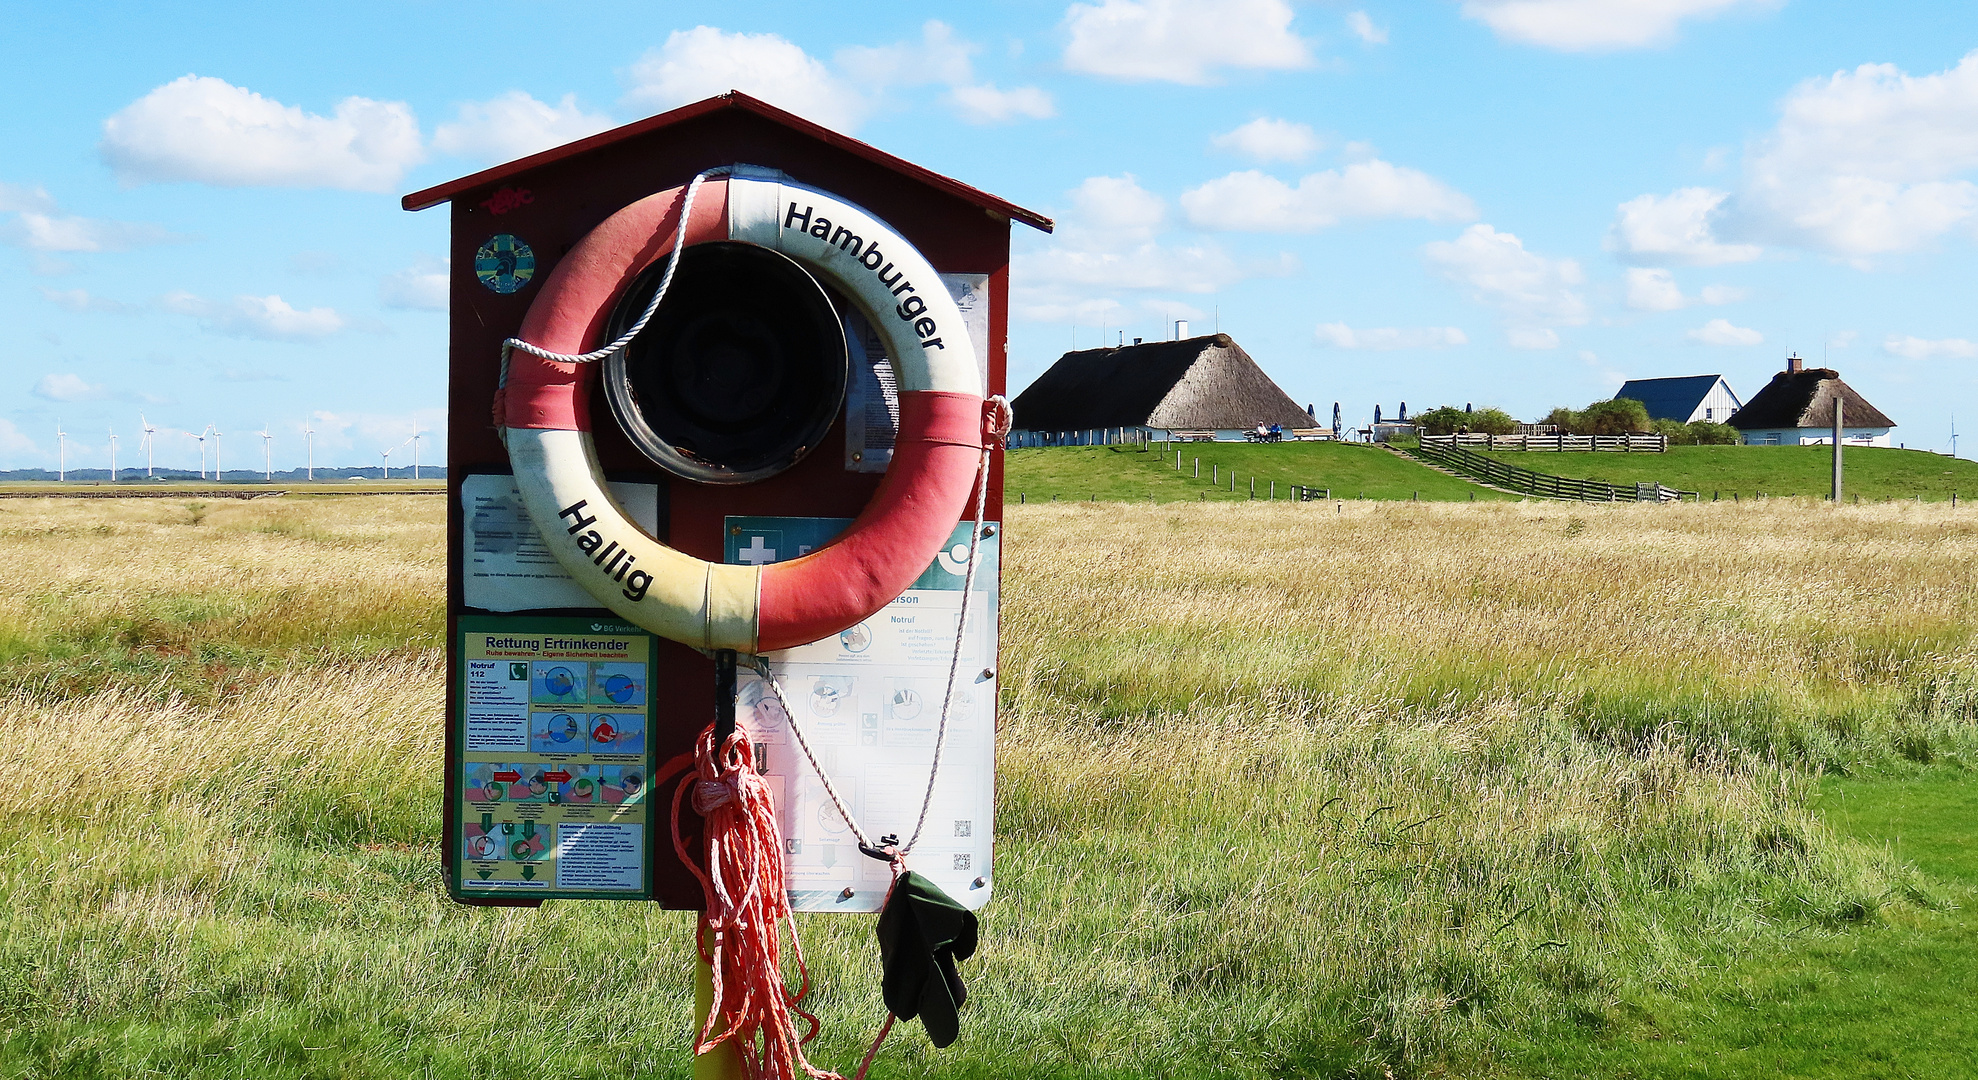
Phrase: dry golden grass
{"type": "Point", "coordinates": [1716, 616]}
{"type": "Point", "coordinates": [1284, 790]}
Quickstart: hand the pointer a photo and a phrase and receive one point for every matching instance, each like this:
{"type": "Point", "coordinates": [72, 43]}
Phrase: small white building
{"type": "Point", "coordinates": [1685, 399]}
{"type": "Point", "coordinates": [1797, 409]}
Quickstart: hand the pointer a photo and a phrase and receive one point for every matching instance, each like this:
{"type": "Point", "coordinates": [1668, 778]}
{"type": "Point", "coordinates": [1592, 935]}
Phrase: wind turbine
{"type": "Point", "coordinates": [61, 452]}
{"type": "Point", "coordinates": [113, 455]}
{"type": "Point", "coordinates": [267, 458]}
{"type": "Point", "coordinates": [218, 476]}
{"type": "Point", "coordinates": [416, 437]}
{"type": "Point", "coordinates": [310, 434]}
{"type": "Point", "coordinates": [148, 429]}
{"type": "Point", "coordinates": [202, 451]}
{"type": "Point", "coordinates": [385, 456]}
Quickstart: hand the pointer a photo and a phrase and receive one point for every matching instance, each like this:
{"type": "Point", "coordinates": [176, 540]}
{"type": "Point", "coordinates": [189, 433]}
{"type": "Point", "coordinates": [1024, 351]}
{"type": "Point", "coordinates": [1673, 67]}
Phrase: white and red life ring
{"type": "Point", "coordinates": [544, 411]}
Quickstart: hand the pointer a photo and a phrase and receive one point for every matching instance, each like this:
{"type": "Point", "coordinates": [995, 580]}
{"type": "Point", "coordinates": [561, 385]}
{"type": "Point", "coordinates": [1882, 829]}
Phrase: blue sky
{"type": "Point", "coordinates": [1508, 202]}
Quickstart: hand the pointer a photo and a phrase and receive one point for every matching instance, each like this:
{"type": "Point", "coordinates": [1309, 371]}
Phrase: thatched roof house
{"type": "Point", "coordinates": [1797, 408]}
{"type": "Point", "coordinates": [1198, 384]}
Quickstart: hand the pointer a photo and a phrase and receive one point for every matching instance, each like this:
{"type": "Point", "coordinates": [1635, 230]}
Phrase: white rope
{"type": "Point", "coordinates": [624, 339]}
{"type": "Point", "coordinates": [954, 666]}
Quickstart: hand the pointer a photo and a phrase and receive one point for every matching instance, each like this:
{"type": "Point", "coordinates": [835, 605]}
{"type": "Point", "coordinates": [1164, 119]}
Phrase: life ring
{"type": "Point", "coordinates": [544, 412]}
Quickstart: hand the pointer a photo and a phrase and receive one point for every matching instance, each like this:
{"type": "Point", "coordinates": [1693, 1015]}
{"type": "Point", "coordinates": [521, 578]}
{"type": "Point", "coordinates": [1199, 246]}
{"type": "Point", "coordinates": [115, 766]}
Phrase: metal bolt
{"type": "Point", "coordinates": [846, 894]}
{"type": "Point", "coordinates": [987, 674]}
{"type": "Point", "coordinates": [988, 531]}
{"type": "Point", "coordinates": [978, 883]}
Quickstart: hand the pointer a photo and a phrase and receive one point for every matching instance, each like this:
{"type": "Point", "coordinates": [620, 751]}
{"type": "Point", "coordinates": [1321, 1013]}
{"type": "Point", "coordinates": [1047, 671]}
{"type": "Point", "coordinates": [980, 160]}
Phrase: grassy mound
{"type": "Point", "coordinates": [1125, 473]}
{"type": "Point", "coordinates": [1874, 474]}
{"type": "Point", "coordinates": [1390, 788]}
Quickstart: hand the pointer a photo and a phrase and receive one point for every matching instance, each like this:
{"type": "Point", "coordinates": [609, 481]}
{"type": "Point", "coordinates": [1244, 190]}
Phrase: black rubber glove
{"type": "Point", "coordinates": [922, 932]}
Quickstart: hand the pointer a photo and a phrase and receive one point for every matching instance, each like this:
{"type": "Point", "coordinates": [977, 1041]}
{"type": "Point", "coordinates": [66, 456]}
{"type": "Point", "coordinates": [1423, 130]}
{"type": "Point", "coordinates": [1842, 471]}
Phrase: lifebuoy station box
{"type": "Point", "coordinates": [781, 460]}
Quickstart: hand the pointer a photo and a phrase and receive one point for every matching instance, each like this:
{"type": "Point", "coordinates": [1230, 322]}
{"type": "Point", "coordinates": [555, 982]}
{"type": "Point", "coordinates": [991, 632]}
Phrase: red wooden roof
{"type": "Point", "coordinates": [733, 99]}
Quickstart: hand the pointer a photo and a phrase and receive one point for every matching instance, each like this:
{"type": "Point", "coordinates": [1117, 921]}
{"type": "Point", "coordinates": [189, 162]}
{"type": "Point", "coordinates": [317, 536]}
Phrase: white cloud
{"type": "Point", "coordinates": [1654, 290]}
{"type": "Point", "coordinates": [938, 57]}
{"type": "Point", "coordinates": [1675, 229]}
{"type": "Point", "coordinates": [1721, 332]}
{"type": "Point", "coordinates": [1364, 28]}
{"type": "Point", "coordinates": [515, 125]}
{"type": "Point", "coordinates": [19, 198]}
{"type": "Point", "coordinates": [1181, 41]}
{"type": "Point", "coordinates": [422, 287]}
{"type": "Point", "coordinates": [1869, 161]}
{"type": "Point", "coordinates": [82, 300]}
{"type": "Point", "coordinates": [12, 441]}
{"type": "Point", "coordinates": [208, 131]}
{"type": "Point", "coordinates": [1108, 242]}
{"type": "Point", "coordinates": [985, 104]}
{"type": "Point", "coordinates": [1387, 338]}
{"type": "Point", "coordinates": [49, 232]}
{"type": "Point", "coordinates": [66, 386]}
{"type": "Point", "coordinates": [269, 318]}
{"type": "Point", "coordinates": [1596, 25]}
{"type": "Point", "coordinates": [1255, 202]}
{"type": "Point", "coordinates": [1267, 139]}
{"type": "Point", "coordinates": [698, 63]}
{"type": "Point", "coordinates": [1915, 348]}
{"type": "Point", "coordinates": [1533, 292]}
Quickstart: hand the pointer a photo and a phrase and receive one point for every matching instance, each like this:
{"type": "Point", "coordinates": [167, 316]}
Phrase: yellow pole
{"type": "Point", "coordinates": [725, 1062]}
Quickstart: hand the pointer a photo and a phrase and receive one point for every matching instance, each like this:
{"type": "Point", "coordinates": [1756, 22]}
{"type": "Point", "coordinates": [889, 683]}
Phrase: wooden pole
{"type": "Point", "coordinates": [1837, 445]}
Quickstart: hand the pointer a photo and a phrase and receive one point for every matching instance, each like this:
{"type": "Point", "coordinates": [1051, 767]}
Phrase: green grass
{"type": "Point", "coordinates": [1402, 789]}
{"type": "Point", "coordinates": [1123, 473]}
{"type": "Point", "coordinates": [1872, 473]}
{"type": "Point", "coordinates": [1891, 998]}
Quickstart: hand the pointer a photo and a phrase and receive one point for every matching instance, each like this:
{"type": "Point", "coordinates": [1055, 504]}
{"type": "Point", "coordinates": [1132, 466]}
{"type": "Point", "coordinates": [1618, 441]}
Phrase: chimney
{"type": "Point", "coordinates": [1136, 341]}
{"type": "Point", "coordinates": [1180, 329]}
{"type": "Point", "coordinates": [1794, 365]}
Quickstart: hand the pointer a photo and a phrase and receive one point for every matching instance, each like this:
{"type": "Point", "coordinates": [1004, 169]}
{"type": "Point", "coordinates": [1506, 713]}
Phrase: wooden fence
{"type": "Point", "coordinates": [1516, 478]}
{"type": "Point", "coordinates": [1625, 444]}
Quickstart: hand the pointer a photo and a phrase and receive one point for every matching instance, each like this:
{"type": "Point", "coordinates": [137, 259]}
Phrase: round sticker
{"type": "Point", "coordinates": [504, 263]}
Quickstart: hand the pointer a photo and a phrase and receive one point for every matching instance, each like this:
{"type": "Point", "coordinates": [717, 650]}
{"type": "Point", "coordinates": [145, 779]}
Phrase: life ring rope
{"type": "Point", "coordinates": [542, 408]}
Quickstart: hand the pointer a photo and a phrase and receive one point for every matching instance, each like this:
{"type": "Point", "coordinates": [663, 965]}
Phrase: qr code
{"type": "Point", "coordinates": [964, 828]}
{"type": "Point", "coordinates": [964, 862]}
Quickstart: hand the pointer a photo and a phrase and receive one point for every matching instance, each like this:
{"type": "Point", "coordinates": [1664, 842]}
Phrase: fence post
{"type": "Point", "coordinates": [1198, 467]}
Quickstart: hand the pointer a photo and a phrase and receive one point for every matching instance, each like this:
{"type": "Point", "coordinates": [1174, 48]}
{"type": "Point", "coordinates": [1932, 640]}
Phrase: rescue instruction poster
{"type": "Point", "coordinates": [869, 701]}
{"type": "Point", "coordinates": [552, 798]}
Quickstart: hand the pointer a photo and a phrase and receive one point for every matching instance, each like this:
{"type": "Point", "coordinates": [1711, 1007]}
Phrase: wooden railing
{"type": "Point", "coordinates": [1516, 478]}
{"type": "Point", "coordinates": [1626, 444]}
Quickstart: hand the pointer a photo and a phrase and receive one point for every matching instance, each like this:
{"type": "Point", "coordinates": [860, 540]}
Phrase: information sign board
{"type": "Point", "coordinates": [869, 702]}
{"type": "Point", "coordinates": [555, 764]}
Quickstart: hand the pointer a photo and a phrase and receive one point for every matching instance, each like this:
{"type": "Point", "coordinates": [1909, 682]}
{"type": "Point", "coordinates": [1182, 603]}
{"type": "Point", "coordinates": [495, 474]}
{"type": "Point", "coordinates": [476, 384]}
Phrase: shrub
{"type": "Point", "coordinates": [1450, 420]}
{"type": "Point", "coordinates": [1705, 433]}
{"type": "Point", "coordinates": [1677, 432]}
{"type": "Point", "coordinates": [1616, 417]}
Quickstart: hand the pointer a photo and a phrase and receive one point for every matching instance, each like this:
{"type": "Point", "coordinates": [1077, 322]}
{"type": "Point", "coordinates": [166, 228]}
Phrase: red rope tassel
{"type": "Point", "coordinates": [747, 903]}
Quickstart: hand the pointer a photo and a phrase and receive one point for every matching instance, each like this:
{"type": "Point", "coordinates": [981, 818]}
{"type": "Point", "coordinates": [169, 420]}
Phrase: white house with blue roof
{"type": "Point", "coordinates": [1684, 398]}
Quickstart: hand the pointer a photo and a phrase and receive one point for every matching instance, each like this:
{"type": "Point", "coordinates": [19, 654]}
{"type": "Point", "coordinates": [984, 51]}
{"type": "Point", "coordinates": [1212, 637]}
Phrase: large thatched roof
{"type": "Point", "coordinates": [1805, 399]}
{"type": "Point", "coordinates": [1195, 383]}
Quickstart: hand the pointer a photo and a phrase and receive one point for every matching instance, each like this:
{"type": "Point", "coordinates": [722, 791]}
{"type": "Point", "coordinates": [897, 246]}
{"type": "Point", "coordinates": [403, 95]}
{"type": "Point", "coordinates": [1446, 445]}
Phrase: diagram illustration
{"type": "Point", "coordinates": [557, 733]}
{"type": "Point", "coordinates": [558, 682]}
{"type": "Point", "coordinates": [622, 784]}
{"type": "Point", "coordinates": [618, 684]}
{"type": "Point", "coordinates": [618, 733]}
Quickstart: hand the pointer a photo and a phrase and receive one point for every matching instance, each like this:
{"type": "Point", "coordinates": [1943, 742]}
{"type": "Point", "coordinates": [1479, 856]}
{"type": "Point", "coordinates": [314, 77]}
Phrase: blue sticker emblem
{"type": "Point", "coordinates": [504, 264]}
